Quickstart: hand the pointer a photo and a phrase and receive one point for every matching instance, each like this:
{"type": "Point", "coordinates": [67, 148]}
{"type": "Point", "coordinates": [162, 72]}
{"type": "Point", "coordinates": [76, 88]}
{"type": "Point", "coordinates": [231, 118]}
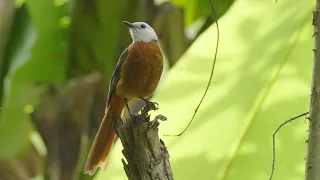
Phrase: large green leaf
{"type": "Point", "coordinates": [37, 55]}
{"type": "Point", "coordinates": [14, 126]}
{"type": "Point", "coordinates": [262, 78]}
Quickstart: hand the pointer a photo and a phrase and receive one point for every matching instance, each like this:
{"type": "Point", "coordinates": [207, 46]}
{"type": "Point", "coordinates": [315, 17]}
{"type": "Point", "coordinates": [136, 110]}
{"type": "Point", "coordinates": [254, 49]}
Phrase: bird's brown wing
{"type": "Point", "coordinates": [116, 75]}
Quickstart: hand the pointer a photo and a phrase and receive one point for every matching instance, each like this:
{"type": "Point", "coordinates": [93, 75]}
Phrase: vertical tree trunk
{"type": "Point", "coordinates": [312, 171]}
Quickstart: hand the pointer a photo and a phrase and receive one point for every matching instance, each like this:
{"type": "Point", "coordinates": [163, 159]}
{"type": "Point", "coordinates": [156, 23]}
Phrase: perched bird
{"type": "Point", "coordinates": [136, 76]}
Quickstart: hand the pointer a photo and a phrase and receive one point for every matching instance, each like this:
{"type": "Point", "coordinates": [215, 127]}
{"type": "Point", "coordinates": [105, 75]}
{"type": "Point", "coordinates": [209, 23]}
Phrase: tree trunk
{"type": "Point", "coordinates": [312, 171]}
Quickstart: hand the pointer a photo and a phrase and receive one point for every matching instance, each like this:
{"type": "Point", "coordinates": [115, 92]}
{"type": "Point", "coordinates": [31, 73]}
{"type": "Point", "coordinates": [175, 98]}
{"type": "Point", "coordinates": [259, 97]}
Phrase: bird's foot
{"type": "Point", "coordinates": [152, 105]}
{"type": "Point", "coordinates": [149, 106]}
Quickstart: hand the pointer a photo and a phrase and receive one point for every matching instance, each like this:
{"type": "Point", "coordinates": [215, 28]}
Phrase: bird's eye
{"type": "Point", "coordinates": [143, 26]}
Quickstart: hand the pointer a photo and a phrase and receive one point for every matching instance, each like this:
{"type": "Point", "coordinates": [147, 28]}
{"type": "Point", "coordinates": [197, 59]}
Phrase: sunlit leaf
{"type": "Point", "coordinates": [262, 78]}
{"type": "Point", "coordinates": [19, 3]}
{"type": "Point", "coordinates": [195, 9]}
{"type": "Point", "coordinates": [60, 2]}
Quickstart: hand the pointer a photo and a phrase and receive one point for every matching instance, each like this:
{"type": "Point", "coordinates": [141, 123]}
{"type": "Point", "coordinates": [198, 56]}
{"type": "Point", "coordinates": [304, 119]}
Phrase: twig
{"type": "Point", "coordinates": [274, 140]}
{"type": "Point", "coordinates": [211, 74]}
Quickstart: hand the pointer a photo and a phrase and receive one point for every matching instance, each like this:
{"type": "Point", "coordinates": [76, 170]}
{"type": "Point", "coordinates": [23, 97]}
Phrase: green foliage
{"type": "Point", "coordinates": [95, 35]}
{"type": "Point", "coordinates": [262, 78]}
{"type": "Point", "coordinates": [19, 3]}
{"type": "Point", "coordinates": [14, 124]}
{"type": "Point", "coordinates": [37, 55]}
{"type": "Point", "coordinates": [44, 49]}
{"type": "Point", "coordinates": [195, 9]}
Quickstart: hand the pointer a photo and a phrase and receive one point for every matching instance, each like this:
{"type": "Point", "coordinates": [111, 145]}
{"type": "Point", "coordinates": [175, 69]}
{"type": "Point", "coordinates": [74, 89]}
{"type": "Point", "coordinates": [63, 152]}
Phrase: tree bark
{"type": "Point", "coordinates": [312, 169]}
{"type": "Point", "coordinates": [146, 154]}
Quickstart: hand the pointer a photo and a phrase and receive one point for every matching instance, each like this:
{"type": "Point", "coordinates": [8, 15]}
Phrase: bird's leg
{"type": "Point", "coordinates": [150, 105]}
{"type": "Point", "coordinates": [127, 105]}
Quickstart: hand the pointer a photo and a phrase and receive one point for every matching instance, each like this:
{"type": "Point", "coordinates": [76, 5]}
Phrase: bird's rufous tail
{"type": "Point", "coordinates": [100, 149]}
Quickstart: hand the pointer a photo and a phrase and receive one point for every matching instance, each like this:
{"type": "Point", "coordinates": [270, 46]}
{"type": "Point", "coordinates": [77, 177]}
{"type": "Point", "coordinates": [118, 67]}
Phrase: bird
{"type": "Point", "coordinates": [136, 76]}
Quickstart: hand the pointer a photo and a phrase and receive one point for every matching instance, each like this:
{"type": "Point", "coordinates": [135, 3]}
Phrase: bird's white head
{"type": "Point", "coordinates": [141, 31]}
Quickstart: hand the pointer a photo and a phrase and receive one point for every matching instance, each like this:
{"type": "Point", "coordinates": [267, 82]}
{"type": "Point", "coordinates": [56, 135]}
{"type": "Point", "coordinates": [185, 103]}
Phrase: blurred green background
{"type": "Point", "coordinates": [56, 58]}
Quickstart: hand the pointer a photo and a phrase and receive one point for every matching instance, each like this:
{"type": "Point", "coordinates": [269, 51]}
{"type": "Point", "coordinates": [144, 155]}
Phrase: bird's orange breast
{"type": "Point", "coordinates": [141, 71]}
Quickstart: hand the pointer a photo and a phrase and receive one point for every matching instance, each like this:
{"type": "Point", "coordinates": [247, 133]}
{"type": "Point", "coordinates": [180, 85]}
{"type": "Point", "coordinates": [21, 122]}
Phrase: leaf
{"type": "Point", "coordinates": [195, 9]}
{"type": "Point", "coordinates": [37, 55]}
{"type": "Point", "coordinates": [262, 78]}
{"type": "Point", "coordinates": [14, 126]}
{"type": "Point", "coordinates": [19, 3]}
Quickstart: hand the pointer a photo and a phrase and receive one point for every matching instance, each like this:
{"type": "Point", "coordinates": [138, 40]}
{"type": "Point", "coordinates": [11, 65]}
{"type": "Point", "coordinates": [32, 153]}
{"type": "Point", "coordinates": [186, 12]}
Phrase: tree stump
{"type": "Point", "coordinates": [146, 155]}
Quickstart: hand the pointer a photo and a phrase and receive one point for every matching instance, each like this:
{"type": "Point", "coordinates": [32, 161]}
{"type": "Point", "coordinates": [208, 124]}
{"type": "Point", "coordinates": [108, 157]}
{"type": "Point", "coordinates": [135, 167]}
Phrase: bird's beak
{"type": "Point", "coordinates": [129, 24]}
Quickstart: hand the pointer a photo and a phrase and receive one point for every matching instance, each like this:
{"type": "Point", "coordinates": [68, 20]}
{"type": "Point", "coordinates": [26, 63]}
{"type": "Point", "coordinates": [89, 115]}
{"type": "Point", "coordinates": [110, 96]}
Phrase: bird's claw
{"type": "Point", "coordinates": [149, 106]}
{"type": "Point", "coordinates": [152, 105]}
{"type": "Point", "coordinates": [131, 115]}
